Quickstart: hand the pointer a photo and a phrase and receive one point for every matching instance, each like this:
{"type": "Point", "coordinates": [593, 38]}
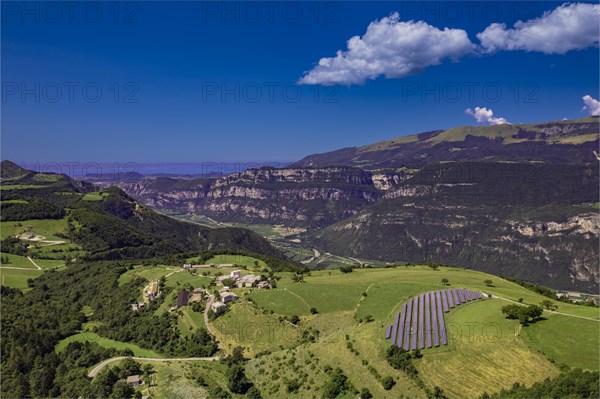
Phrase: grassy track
{"type": "Point", "coordinates": [106, 343]}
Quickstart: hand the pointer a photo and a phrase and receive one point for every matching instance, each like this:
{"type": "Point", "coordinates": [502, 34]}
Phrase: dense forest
{"type": "Point", "coordinates": [34, 322]}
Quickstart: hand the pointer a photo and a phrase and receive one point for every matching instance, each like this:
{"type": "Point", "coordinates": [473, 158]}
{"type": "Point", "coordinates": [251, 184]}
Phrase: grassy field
{"type": "Point", "coordinates": [50, 251]}
{"type": "Point", "coordinates": [18, 261]}
{"type": "Point", "coordinates": [241, 260]}
{"type": "Point", "coordinates": [98, 196]}
{"type": "Point", "coordinates": [17, 278]}
{"type": "Point", "coordinates": [46, 227]}
{"type": "Point", "coordinates": [567, 340]}
{"type": "Point", "coordinates": [19, 186]}
{"type": "Point", "coordinates": [176, 379]}
{"type": "Point", "coordinates": [149, 273]}
{"type": "Point", "coordinates": [484, 351]}
{"type": "Point", "coordinates": [493, 356]}
{"type": "Point", "coordinates": [49, 263]}
{"type": "Point", "coordinates": [190, 321]}
{"type": "Point", "coordinates": [244, 325]}
{"type": "Point", "coordinates": [105, 342]}
{"type": "Point", "coordinates": [181, 278]}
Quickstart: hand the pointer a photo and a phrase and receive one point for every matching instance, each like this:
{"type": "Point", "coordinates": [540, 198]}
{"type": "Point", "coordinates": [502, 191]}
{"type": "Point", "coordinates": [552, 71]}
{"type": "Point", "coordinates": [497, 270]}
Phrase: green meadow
{"type": "Point", "coordinates": [104, 342]}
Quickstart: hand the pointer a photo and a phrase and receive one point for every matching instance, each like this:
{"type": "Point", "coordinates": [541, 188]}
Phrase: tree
{"type": "Point", "coordinates": [365, 394]}
{"type": "Point", "coordinates": [525, 314]}
{"type": "Point", "coordinates": [294, 319]}
{"type": "Point", "coordinates": [237, 382]}
{"type": "Point", "coordinates": [298, 278]}
{"type": "Point", "coordinates": [445, 281]}
{"type": "Point", "coordinates": [237, 356]}
{"type": "Point", "coordinates": [438, 393]}
{"type": "Point", "coordinates": [488, 282]}
{"type": "Point", "coordinates": [121, 390]}
{"type": "Point", "coordinates": [253, 393]}
{"type": "Point", "coordinates": [387, 383]}
{"type": "Point", "coordinates": [314, 311]}
{"type": "Point", "coordinates": [548, 304]}
{"type": "Point", "coordinates": [346, 269]}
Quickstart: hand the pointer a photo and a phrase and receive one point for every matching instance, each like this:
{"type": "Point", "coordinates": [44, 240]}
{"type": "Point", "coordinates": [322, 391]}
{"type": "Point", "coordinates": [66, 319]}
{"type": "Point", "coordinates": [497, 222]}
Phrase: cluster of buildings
{"type": "Point", "coordinates": [151, 292]}
{"type": "Point", "coordinates": [208, 266]}
{"type": "Point", "coordinates": [185, 297]}
{"type": "Point", "coordinates": [246, 281]}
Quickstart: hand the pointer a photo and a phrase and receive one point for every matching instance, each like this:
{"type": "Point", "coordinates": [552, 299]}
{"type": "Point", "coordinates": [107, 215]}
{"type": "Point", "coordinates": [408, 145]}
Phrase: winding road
{"type": "Point", "coordinates": [106, 362]}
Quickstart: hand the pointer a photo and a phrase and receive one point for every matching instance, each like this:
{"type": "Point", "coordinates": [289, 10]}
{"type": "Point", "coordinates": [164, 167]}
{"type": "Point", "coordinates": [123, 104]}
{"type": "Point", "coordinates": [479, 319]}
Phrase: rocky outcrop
{"type": "Point", "coordinates": [294, 196]}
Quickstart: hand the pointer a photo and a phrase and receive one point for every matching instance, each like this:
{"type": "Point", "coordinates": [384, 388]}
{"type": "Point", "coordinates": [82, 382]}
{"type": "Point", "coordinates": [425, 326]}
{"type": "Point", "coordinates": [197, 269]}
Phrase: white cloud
{"type": "Point", "coordinates": [569, 27]}
{"type": "Point", "coordinates": [390, 48]}
{"type": "Point", "coordinates": [485, 115]}
{"type": "Point", "coordinates": [592, 106]}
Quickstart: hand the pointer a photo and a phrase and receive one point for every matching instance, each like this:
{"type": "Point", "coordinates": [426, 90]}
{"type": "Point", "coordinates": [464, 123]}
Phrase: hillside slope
{"type": "Point", "coordinates": [534, 222]}
{"type": "Point", "coordinates": [109, 224]}
{"type": "Point", "coordinates": [569, 141]}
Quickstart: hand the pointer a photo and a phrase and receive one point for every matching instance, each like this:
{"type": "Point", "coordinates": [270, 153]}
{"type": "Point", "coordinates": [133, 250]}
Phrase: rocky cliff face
{"type": "Point", "coordinates": [295, 197]}
{"type": "Point", "coordinates": [539, 225]}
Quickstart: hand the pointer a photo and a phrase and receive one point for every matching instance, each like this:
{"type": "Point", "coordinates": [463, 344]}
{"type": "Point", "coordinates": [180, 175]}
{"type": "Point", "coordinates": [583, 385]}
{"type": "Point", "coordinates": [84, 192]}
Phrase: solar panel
{"type": "Point", "coordinates": [398, 340]}
{"type": "Point", "coordinates": [467, 294]}
{"type": "Point", "coordinates": [407, 333]}
{"type": "Point", "coordinates": [414, 327]}
{"type": "Point", "coordinates": [427, 322]}
{"type": "Point", "coordinates": [478, 295]}
{"type": "Point", "coordinates": [388, 332]}
{"type": "Point", "coordinates": [421, 317]}
{"type": "Point", "coordinates": [441, 323]}
{"type": "Point", "coordinates": [450, 298]}
{"type": "Point", "coordinates": [456, 297]}
{"type": "Point", "coordinates": [461, 295]}
{"type": "Point", "coordinates": [445, 301]}
{"type": "Point", "coordinates": [395, 326]}
{"type": "Point", "coordinates": [434, 326]}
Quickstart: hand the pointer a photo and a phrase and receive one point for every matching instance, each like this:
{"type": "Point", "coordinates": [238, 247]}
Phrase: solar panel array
{"type": "Point", "coordinates": [421, 322]}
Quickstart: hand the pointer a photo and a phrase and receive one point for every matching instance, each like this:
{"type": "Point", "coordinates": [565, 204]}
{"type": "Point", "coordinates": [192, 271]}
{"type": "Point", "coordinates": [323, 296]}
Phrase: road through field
{"type": "Point", "coordinates": [106, 362]}
{"type": "Point", "coordinates": [545, 310]}
{"type": "Point", "coordinates": [35, 264]}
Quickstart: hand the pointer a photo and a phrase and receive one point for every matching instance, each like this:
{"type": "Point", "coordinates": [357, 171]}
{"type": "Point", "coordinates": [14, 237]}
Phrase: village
{"type": "Point", "coordinates": [217, 300]}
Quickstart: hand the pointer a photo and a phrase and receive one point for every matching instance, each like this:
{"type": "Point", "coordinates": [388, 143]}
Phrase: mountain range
{"type": "Point", "coordinates": [515, 200]}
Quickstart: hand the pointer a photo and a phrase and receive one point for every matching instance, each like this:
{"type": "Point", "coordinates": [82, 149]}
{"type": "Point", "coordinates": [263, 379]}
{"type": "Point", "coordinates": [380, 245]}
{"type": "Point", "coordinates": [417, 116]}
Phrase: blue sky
{"type": "Point", "coordinates": [206, 82]}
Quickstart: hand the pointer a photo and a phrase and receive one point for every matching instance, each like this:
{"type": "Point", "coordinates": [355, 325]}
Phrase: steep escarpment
{"type": "Point", "coordinates": [534, 222]}
{"type": "Point", "coordinates": [306, 197]}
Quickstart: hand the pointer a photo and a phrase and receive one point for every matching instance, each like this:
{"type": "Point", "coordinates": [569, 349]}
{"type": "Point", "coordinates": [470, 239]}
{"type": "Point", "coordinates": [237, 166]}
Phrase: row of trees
{"type": "Point", "coordinates": [525, 314]}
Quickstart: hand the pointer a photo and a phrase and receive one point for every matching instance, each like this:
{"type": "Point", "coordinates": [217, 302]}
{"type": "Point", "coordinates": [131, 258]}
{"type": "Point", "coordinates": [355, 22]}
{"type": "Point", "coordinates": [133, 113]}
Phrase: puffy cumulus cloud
{"type": "Point", "coordinates": [485, 115]}
{"type": "Point", "coordinates": [592, 106]}
{"type": "Point", "coordinates": [569, 27]}
{"type": "Point", "coordinates": [390, 48]}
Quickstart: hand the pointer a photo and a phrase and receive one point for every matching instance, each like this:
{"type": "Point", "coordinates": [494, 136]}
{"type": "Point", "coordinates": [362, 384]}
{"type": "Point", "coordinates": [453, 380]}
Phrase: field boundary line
{"type": "Point", "coordinates": [298, 296]}
{"type": "Point", "coordinates": [35, 264]}
{"type": "Point", "coordinates": [549, 311]}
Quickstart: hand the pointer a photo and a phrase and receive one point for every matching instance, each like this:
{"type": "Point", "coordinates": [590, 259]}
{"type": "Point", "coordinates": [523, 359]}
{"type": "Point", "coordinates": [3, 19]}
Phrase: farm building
{"type": "Point", "coordinates": [235, 274]}
{"type": "Point", "coordinates": [134, 381]}
{"type": "Point", "coordinates": [182, 298]}
{"type": "Point", "coordinates": [228, 297]}
{"type": "Point", "coordinates": [249, 280]}
{"type": "Point", "coordinates": [218, 307]}
{"type": "Point", "coordinates": [196, 297]}
{"type": "Point", "coordinates": [263, 284]}
{"type": "Point", "coordinates": [137, 306]}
